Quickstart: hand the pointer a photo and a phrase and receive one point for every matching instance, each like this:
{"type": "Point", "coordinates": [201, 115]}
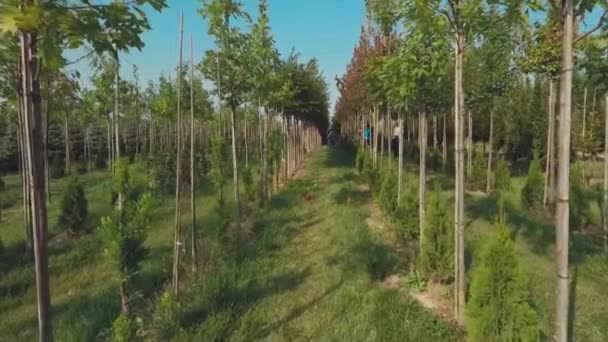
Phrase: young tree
{"type": "Point", "coordinates": [231, 45]}
{"type": "Point", "coordinates": [74, 208]}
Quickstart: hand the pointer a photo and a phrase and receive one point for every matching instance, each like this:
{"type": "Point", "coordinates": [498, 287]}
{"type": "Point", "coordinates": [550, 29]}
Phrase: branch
{"type": "Point", "coordinates": [80, 58]}
{"type": "Point", "coordinates": [93, 6]}
{"type": "Point", "coordinates": [595, 28]}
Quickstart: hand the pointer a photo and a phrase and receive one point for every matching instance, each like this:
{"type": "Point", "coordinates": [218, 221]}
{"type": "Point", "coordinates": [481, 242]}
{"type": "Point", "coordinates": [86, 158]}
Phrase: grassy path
{"type": "Point", "coordinates": [313, 272]}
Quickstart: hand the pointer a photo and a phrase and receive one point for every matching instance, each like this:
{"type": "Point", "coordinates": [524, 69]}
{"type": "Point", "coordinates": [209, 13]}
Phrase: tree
{"type": "Point", "coordinates": [230, 42]}
{"type": "Point", "coordinates": [42, 31]}
{"type": "Point", "coordinates": [499, 309]}
{"type": "Point", "coordinates": [73, 208]}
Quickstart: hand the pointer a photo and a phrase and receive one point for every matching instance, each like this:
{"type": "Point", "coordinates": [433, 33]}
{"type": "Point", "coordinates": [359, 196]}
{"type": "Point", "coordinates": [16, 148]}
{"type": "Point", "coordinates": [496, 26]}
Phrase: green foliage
{"type": "Point", "coordinates": [437, 254]}
{"type": "Point", "coordinates": [499, 309]}
{"type": "Point", "coordinates": [74, 208]}
{"type": "Point", "coordinates": [502, 177]}
{"type": "Point", "coordinates": [387, 193]}
{"type": "Point", "coordinates": [581, 214]}
{"type": "Point", "coordinates": [123, 233]}
{"type": "Point", "coordinates": [160, 168]}
{"type": "Point", "coordinates": [57, 167]}
{"type": "Point", "coordinates": [249, 186]}
{"type": "Point", "coordinates": [360, 160]}
{"type": "Point", "coordinates": [166, 316]}
{"type": "Point", "coordinates": [532, 192]}
{"type": "Point", "coordinates": [478, 173]}
{"type": "Point", "coordinates": [406, 217]}
{"type": "Point", "coordinates": [123, 329]}
{"type": "Point", "coordinates": [219, 163]}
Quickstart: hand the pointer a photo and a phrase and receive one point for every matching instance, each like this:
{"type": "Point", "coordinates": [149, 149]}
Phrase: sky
{"type": "Point", "coordinates": [327, 30]}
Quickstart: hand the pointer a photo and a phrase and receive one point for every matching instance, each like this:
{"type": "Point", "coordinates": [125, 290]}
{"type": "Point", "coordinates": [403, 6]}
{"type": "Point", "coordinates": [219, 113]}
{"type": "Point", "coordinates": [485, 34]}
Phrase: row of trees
{"type": "Point", "coordinates": [483, 73]}
{"type": "Point", "coordinates": [273, 111]}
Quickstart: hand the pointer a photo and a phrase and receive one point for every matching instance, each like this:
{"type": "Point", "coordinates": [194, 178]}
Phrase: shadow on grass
{"type": "Point", "coordinates": [349, 195]}
{"type": "Point", "coordinates": [297, 312]}
{"type": "Point", "coordinates": [339, 156]}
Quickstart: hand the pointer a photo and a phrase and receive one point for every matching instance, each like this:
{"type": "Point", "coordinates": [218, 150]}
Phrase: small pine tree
{"type": "Point", "coordinates": [123, 329]}
{"type": "Point", "coordinates": [499, 309]}
{"type": "Point", "coordinates": [502, 177]}
{"type": "Point", "coordinates": [123, 233]}
{"type": "Point", "coordinates": [580, 211]}
{"type": "Point", "coordinates": [437, 254]}
{"type": "Point", "coordinates": [478, 174]}
{"type": "Point", "coordinates": [387, 193]}
{"type": "Point", "coordinates": [57, 169]}
{"type": "Point", "coordinates": [406, 217]}
{"type": "Point", "coordinates": [360, 161]}
{"type": "Point", "coordinates": [74, 208]}
{"type": "Point", "coordinates": [532, 192]}
{"type": "Point", "coordinates": [249, 185]}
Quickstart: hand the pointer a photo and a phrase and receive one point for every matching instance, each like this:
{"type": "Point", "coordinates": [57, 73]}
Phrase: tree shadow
{"type": "Point", "coordinates": [297, 312]}
{"type": "Point", "coordinates": [339, 157]}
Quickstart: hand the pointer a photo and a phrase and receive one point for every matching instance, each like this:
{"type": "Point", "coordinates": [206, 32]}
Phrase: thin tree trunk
{"type": "Point", "coordinates": [469, 145]}
{"type": "Point", "coordinates": [583, 142]}
{"type": "Point", "coordinates": [33, 148]}
{"type": "Point", "coordinates": [400, 171]}
{"type": "Point", "coordinates": [235, 178]}
{"type": "Point", "coordinates": [66, 140]}
{"type": "Point", "coordinates": [605, 207]}
{"type": "Point", "coordinates": [245, 133]}
{"type": "Point", "coordinates": [194, 251]}
{"type": "Point", "coordinates": [422, 177]}
{"type": "Point", "coordinates": [45, 138]}
{"type": "Point", "coordinates": [435, 144]}
{"type": "Point", "coordinates": [178, 164]}
{"type": "Point", "coordinates": [459, 120]}
{"type": "Point", "coordinates": [548, 193]}
{"type": "Point", "coordinates": [490, 153]}
{"type": "Point", "coordinates": [444, 142]}
{"type": "Point", "coordinates": [562, 206]}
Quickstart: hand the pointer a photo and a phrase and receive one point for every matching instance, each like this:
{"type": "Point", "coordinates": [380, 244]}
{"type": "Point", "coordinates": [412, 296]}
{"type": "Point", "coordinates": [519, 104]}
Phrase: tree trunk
{"type": "Point", "coordinates": [562, 206]}
{"type": "Point", "coordinates": [400, 171]}
{"type": "Point", "coordinates": [490, 153]}
{"type": "Point", "coordinates": [435, 144]}
{"type": "Point", "coordinates": [66, 141]}
{"type": "Point", "coordinates": [178, 164]}
{"type": "Point", "coordinates": [194, 242]}
{"type": "Point", "coordinates": [245, 133]}
{"type": "Point", "coordinates": [124, 299]}
{"type": "Point", "coordinates": [583, 142]}
{"type": "Point", "coordinates": [459, 121]}
{"type": "Point", "coordinates": [422, 132]}
{"type": "Point", "coordinates": [24, 168]}
{"type": "Point", "coordinates": [469, 145]}
{"type": "Point", "coordinates": [605, 208]}
{"type": "Point", "coordinates": [235, 177]}
{"type": "Point", "coordinates": [548, 193]}
{"type": "Point", "coordinates": [45, 138]}
{"type": "Point", "coordinates": [33, 147]}
{"type": "Point", "coordinates": [444, 142]}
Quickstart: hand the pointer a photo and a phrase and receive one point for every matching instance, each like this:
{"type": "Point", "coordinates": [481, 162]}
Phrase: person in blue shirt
{"type": "Point", "coordinates": [367, 133]}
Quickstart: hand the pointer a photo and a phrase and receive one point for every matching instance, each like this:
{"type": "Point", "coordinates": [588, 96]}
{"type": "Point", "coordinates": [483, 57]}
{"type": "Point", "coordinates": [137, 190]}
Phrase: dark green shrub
{"type": "Point", "coordinates": [249, 185]}
{"type": "Point", "coordinates": [502, 177]}
{"type": "Point", "coordinates": [437, 254]}
{"type": "Point", "coordinates": [360, 160]}
{"type": "Point", "coordinates": [433, 160]}
{"type": "Point", "coordinates": [532, 192]}
{"type": "Point", "coordinates": [499, 309]}
{"type": "Point", "coordinates": [74, 208]}
{"type": "Point", "coordinates": [161, 172]}
{"type": "Point", "coordinates": [100, 161]}
{"type": "Point", "coordinates": [387, 193]}
{"type": "Point", "coordinates": [581, 214]}
{"type": "Point", "coordinates": [406, 216]}
{"type": "Point", "coordinates": [57, 167]}
{"type": "Point", "coordinates": [478, 173]}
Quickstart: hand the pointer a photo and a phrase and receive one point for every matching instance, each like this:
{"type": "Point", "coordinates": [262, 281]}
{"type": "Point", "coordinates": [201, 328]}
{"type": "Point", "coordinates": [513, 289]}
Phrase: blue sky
{"type": "Point", "coordinates": [324, 29]}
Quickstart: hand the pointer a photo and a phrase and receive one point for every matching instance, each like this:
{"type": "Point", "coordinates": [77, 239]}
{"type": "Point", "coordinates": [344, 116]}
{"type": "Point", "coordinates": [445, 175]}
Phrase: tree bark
{"type": "Point", "coordinates": [444, 142]}
{"type": "Point", "coordinates": [422, 132]}
{"type": "Point", "coordinates": [194, 242]}
{"type": "Point", "coordinates": [583, 140]}
{"type": "Point", "coordinates": [235, 178]}
{"type": "Point", "coordinates": [400, 171]}
{"type": "Point", "coordinates": [459, 120]}
{"type": "Point", "coordinates": [66, 140]}
{"type": "Point", "coordinates": [178, 164]}
{"type": "Point", "coordinates": [469, 145]}
{"type": "Point", "coordinates": [605, 207]}
{"type": "Point", "coordinates": [490, 154]}
{"type": "Point", "coordinates": [548, 193]}
{"type": "Point", "coordinates": [563, 185]}
{"type": "Point", "coordinates": [33, 147]}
